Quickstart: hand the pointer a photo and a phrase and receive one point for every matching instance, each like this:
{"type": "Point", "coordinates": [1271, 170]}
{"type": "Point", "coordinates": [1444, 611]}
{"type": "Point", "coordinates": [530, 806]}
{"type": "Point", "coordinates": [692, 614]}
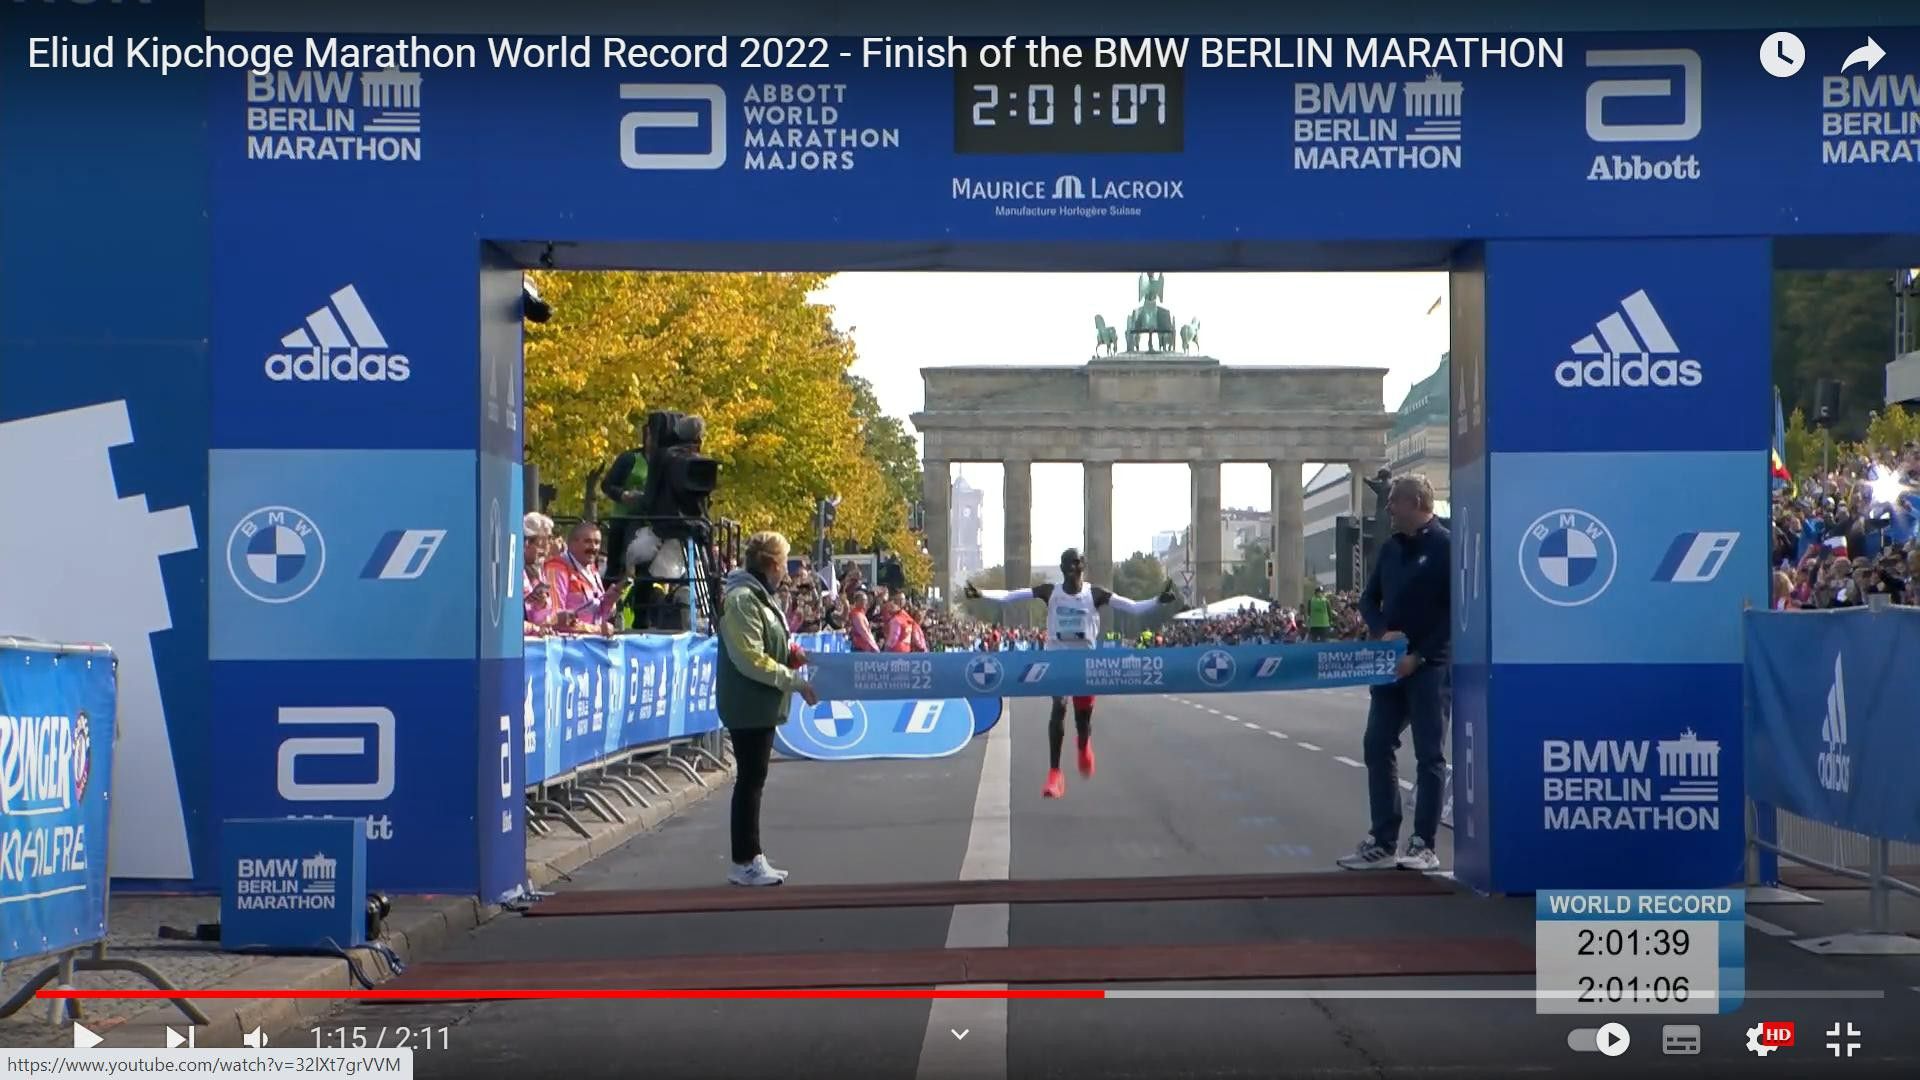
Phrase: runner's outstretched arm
{"type": "Point", "coordinates": [1004, 596]}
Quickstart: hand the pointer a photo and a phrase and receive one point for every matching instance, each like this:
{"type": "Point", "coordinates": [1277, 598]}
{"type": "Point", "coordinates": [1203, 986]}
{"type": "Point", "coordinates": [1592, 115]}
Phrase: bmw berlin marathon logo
{"type": "Point", "coordinates": [276, 554]}
{"type": "Point", "coordinates": [1216, 667]}
{"type": "Point", "coordinates": [1567, 557]}
{"type": "Point", "coordinates": [837, 725]}
{"type": "Point", "coordinates": [984, 674]}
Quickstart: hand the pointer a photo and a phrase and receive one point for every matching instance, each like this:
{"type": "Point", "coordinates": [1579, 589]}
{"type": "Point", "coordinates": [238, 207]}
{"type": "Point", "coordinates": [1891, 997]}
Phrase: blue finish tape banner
{"type": "Point", "coordinates": [588, 698]}
{"type": "Point", "coordinates": [845, 730]}
{"type": "Point", "coordinates": [56, 756]}
{"type": "Point", "coordinates": [837, 730]}
{"type": "Point", "coordinates": [1830, 727]}
{"type": "Point", "coordinates": [1194, 670]}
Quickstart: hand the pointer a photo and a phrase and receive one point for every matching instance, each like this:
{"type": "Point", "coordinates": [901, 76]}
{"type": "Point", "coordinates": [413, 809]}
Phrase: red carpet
{"type": "Point", "coordinates": [932, 967]}
{"type": "Point", "coordinates": [949, 893]}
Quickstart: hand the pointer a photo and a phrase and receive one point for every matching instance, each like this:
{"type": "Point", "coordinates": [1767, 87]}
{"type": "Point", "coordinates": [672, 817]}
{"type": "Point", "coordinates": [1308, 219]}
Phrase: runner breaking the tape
{"type": "Point", "coordinates": [1073, 622]}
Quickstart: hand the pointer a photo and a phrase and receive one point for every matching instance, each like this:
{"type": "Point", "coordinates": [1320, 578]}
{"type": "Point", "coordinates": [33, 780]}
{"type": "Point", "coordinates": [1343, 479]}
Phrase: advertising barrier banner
{"type": "Point", "coordinates": [57, 716]}
{"type": "Point", "coordinates": [1830, 724]}
{"type": "Point", "coordinates": [1191, 670]}
{"type": "Point", "coordinates": [587, 698]}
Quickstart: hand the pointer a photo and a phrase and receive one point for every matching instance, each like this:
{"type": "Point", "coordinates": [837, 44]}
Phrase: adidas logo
{"type": "Point", "coordinates": [1835, 764]}
{"type": "Point", "coordinates": [1622, 359]}
{"type": "Point", "coordinates": [339, 343]}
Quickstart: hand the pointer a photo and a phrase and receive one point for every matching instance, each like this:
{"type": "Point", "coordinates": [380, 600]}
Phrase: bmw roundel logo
{"type": "Point", "coordinates": [837, 725]}
{"type": "Point", "coordinates": [1216, 667]}
{"type": "Point", "coordinates": [276, 554]}
{"type": "Point", "coordinates": [984, 673]}
{"type": "Point", "coordinates": [1568, 558]}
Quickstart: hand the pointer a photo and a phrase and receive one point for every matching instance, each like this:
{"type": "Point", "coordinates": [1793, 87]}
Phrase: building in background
{"type": "Point", "coordinates": [1238, 528]}
{"type": "Point", "coordinates": [1163, 543]}
{"type": "Point", "coordinates": [1903, 374]}
{"type": "Point", "coordinates": [1327, 498]}
{"type": "Point", "coordinates": [1417, 441]}
{"type": "Point", "coordinates": [964, 503]}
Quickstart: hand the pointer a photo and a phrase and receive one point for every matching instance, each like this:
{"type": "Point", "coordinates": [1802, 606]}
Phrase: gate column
{"type": "Point", "coordinates": [1610, 499]}
{"type": "Point", "coordinates": [1017, 507]}
{"type": "Point", "coordinates": [1098, 479]}
{"type": "Point", "coordinates": [936, 494]}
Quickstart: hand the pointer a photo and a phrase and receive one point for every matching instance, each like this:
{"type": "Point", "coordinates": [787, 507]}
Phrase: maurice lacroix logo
{"type": "Point", "coordinates": [339, 342]}
{"type": "Point", "coordinates": [1613, 356]}
{"type": "Point", "coordinates": [1068, 195]}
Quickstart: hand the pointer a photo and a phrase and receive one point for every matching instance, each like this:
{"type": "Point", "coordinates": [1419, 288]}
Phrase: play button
{"type": "Point", "coordinates": [1613, 1040]}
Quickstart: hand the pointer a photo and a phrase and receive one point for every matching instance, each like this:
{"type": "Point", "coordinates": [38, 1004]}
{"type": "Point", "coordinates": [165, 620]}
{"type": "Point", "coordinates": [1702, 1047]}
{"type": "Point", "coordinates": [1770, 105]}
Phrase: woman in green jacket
{"type": "Point", "coordinates": [754, 681]}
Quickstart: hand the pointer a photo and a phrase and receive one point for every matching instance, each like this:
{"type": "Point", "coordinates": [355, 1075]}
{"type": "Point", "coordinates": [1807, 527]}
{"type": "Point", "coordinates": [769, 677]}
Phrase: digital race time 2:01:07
{"type": "Point", "coordinates": [1053, 112]}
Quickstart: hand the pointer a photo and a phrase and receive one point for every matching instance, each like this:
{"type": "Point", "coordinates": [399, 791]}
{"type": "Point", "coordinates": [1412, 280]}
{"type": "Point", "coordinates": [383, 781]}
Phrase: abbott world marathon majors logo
{"type": "Point", "coordinates": [338, 342]}
{"type": "Point", "coordinates": [1378, 125]}
{"type": "Point", "coordinates": [1068, 195]}
{"type": "Point", "coordinates": [333, 115]}
{"type": "Point", "coordinates": [276, 554]}
{"type": "Point", "coordinates": [1672, 785]}
{"type": "Point", "coordinates": [784, 127]}
{"type": "Point", "coordinates": [1629, 348]}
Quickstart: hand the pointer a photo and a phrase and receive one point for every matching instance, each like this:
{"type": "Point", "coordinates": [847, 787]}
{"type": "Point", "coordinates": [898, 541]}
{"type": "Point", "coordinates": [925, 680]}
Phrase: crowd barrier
{"type": "Point", "coordinates": [58, 727]}
{"type": "Point", "coordinates": [603, 715]}
{"type": "Point", "coordinates": [1831, 740]}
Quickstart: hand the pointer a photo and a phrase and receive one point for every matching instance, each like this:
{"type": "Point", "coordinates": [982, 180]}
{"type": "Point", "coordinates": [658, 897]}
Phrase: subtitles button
{"type": "Point", "coordinates": [1680, 1039]}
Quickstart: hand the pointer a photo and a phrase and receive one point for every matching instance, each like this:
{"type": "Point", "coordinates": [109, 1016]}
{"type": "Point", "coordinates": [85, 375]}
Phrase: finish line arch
{"type": "Point", "coordinates": [1611, 252]}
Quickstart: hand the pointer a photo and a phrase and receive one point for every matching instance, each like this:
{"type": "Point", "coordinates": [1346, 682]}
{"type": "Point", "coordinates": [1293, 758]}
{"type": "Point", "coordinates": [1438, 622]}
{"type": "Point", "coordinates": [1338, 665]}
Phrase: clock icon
{"type": "Point", "coordinates": [1782, 55]}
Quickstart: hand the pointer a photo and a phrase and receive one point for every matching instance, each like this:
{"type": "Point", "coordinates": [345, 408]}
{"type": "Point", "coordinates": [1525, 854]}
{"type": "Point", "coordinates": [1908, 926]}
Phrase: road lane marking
{"type": "Point", "coordinates": [1307, 746]}
{"type": "Point", "coordinates": [1406, 785]}
{"type": "Point", "coordinates": [1346, 761]}
{"type": "Point", "coordinates": [978, 926]}
{"type": "Point", "coordinates": [1278, 734]}
{"type": "Point", "coordinates": [1249, 727]}
{"type": "Point", "coordinates": [1767, 928]}
{"type": "Point", "coordinates": [1215, 712]}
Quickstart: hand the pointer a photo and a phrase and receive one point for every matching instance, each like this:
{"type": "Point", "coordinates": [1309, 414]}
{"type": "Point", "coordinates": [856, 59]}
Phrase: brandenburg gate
{"type": "Point", "coordinates": [1148, 404]}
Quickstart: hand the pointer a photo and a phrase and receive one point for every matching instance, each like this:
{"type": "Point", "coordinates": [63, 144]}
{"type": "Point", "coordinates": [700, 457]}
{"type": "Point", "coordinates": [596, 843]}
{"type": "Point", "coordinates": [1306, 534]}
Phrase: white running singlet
{"type": "Point", "coordinates": [1072, 620]}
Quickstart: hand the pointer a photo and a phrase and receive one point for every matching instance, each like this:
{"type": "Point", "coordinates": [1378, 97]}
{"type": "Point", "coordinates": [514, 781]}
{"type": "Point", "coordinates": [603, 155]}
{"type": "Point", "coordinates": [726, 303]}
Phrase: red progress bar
{"type": "Point", "coordinates": [604, 995]}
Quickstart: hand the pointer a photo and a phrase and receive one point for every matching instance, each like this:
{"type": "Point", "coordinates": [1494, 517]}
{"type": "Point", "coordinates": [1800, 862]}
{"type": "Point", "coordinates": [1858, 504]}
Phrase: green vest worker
{"type": "Point", "coordinates": [1319, 615]}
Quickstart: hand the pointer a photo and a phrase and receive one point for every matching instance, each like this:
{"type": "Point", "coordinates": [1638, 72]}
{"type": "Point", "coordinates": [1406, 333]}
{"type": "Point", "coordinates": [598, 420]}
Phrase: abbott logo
{"type": "Point", "coordinates": [634, 156]}
{"type": "Point", "coordinates": [293, 749]}
{"type": "Point", "coordinates": [1598, 94]}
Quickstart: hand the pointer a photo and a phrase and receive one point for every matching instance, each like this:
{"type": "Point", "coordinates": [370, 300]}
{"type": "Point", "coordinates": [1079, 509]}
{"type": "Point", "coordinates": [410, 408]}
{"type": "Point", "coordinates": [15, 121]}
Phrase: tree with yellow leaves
{"type": "Point", "coordinates": [746, 352]}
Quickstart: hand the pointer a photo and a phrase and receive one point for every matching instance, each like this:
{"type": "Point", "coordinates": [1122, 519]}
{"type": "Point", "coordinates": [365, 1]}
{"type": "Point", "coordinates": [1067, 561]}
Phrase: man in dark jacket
{"type": "Point", "coordinates": [1406, 598]}
{"type": "Point", "coordinates": [753, 684]}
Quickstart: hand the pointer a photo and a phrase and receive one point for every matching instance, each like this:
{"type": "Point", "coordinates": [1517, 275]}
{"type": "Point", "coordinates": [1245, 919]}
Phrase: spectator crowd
{"type": "Point", "coordinates": [1846, 535]}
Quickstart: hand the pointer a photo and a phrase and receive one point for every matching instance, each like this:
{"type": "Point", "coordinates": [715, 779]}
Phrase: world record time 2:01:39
{"type": "Point", "coordinates": [1111, 111]}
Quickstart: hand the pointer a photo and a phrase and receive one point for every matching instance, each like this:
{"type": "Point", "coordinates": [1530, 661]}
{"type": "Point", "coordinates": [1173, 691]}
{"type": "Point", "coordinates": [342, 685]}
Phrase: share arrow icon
{"type": "Point", "coordinates": [1869, 54]}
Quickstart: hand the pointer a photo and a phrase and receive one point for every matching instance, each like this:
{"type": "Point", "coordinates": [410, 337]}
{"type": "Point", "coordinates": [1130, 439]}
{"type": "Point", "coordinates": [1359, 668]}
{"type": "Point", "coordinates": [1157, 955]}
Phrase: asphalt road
{"type": "Point", "coordinates": [1185, 786]}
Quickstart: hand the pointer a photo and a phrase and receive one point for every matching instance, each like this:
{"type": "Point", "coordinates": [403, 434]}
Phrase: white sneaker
{"type": "Point", "coordinates": [1368, 856]}
{"type": "Point", "coordinates": [756, 873]}
{"type": "Point", "coordinates": [1419, 857]}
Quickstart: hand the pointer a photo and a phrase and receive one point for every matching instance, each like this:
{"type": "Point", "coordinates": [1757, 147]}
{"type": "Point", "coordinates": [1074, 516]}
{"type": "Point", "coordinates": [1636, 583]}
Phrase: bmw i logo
{"type": "Point", "coordinates": [276, 554]}
{"type": "Point", "coordinates": [837, 725]}
{"type": "Point", "coordinates": [984, 673]}
{"type": "Point", "coordinates": [1216, 667]}
{"type": "Point", "coordinates": [1568, 557]}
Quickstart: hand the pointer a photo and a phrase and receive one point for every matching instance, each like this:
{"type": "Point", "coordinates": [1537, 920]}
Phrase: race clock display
{"type": "Point", "coordinates": [1015, 110]}
{"type": "Point", "coordinates": [1608, 952]}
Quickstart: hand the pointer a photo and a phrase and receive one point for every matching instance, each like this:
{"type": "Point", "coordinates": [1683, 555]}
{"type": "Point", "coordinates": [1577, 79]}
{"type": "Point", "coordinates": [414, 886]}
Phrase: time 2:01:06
{"type": "Point", "coordinates": [1124, 107]}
